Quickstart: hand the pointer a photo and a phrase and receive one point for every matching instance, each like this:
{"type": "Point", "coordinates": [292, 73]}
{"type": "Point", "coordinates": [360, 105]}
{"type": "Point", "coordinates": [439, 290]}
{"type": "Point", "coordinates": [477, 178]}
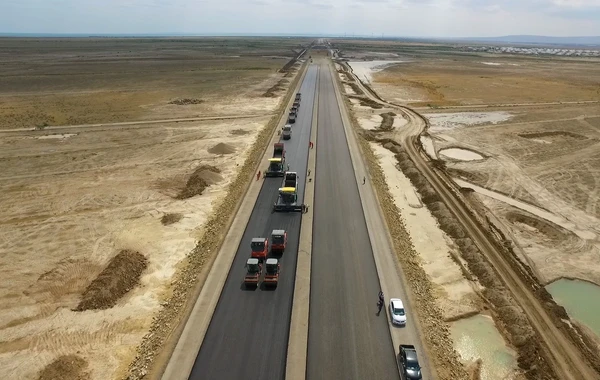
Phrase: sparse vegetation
{"type": "Point", "coordinates": [387, 122]}
{"type": "Point", "coordinates": [186, 101]}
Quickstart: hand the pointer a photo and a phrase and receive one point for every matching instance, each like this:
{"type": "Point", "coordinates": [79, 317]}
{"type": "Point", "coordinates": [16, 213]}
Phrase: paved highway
{"type": "Point", "coordinates": [346, 339]}
{"type": "Point", "coordinates": [248, 334]}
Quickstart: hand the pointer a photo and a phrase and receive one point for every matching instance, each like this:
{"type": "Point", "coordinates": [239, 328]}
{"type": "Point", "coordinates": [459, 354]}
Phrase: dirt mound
{"type": "Point", "coordinates": [170, 218]}
{"type": "Point", "coordinates": [221, 148]}
{"type": "Point", "coordinates": [120, 276]}
{"type": "Point", "coordinates": [239, 132]}
{"type": "Point", "coordinates": [273, 91]}
{"type": "Point", "coordinates": [186, 101]}
{"type": "Point", "coordinates": [66, 367]}
{"type": "Point", "coordinates": [387, 122]}
{"type": "Point", "coordinates": [201, 178]}
{"type": "Point", "coordinates": [537, 135]}
{"type": "Point", "coordinates": [549, 229]}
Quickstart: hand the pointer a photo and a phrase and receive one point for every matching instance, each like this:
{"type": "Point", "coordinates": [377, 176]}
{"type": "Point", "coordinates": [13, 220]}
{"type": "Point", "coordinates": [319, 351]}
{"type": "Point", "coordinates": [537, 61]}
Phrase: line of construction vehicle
{"type": "Point", "coordinates": [287, 200]}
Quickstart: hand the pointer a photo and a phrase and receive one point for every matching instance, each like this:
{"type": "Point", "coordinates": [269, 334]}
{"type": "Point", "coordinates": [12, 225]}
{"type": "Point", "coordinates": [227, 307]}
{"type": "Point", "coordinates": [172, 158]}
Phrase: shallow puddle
{"type": "Point", "coordinates": [581, 299]}
{"type": "Point", "coordinates": [477, 337]}
{"type": "Point", "coordinates": [461, 154]}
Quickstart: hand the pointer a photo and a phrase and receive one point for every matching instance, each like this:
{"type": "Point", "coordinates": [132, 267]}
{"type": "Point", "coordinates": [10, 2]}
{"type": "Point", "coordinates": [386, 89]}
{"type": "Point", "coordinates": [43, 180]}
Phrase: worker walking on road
{"type": "Point", "coordinates": [258, 175]}
{"type": "Point", "coordinates": [364, 180]}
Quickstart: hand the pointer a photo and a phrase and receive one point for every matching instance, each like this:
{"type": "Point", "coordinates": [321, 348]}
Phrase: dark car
{"type": "Point", "coordinates": [410, 362]}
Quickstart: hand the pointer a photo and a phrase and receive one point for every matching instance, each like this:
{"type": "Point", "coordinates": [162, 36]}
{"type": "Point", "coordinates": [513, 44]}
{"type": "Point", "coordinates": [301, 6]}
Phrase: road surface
{"type": "Point", "coordinates": [248, 334]}
{"type": "Point", "coordinates": [346, 339]}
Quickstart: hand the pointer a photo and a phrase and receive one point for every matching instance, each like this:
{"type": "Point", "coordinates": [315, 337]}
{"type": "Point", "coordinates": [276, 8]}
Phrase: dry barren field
{"type": "Point", "coordinates": [522, 133]}
{"type": "Point", "coordinates": [99, 215]}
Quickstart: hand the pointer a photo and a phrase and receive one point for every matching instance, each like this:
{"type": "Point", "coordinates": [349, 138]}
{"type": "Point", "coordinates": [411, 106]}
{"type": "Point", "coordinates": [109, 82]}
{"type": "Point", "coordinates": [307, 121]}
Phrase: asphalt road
{"type": "Point", "coordinates": [346, 339]}
{"type": "Point", "coordinates": [248, 334]}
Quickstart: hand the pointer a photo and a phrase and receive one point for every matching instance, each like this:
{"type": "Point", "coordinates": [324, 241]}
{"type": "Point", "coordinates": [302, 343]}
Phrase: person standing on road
{"type": "Point", "coordinates": [258, 175]}
{"type": "Point", "coordinates": [364, 180]}
{"type": "Point", "coordinates": [380, 303]}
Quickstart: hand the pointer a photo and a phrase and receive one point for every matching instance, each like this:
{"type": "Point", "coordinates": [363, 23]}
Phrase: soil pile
{"type": "Point", "coordinates": [201, 178]}
{"type": "Point", "coordinates": [239, 132]}
{"type": "Point", "coordinates": [66, 367]}
{"type": "Point", "coordinates": [170, 218]}
{"type": "Point", "coordinates": [387, 122]}
{"type": "Point", "coordinates": [221, 148]}
{"type": "Point", "coordinates": [186, 101]}
{"type": "Point", "coordinates": [120, 276]}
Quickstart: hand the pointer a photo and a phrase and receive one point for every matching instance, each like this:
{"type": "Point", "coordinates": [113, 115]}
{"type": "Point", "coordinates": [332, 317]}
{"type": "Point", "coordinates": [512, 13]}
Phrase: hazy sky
{"type": "Point", "coordinates": [452, 18]}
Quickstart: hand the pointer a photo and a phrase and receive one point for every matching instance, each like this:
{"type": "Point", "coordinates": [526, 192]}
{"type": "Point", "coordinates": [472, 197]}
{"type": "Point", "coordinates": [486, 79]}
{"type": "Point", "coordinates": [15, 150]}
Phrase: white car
{"type": "Point", "coordinates": [397, 312]}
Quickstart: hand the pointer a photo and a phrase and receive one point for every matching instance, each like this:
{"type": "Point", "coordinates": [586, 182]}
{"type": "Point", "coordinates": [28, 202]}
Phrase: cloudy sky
{"type": "Point", "coordinates": [426, 18]}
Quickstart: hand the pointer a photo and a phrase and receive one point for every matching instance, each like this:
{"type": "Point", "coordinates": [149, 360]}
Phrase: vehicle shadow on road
{"type": "Point", "coordinates": [267, 288]}
{"type": "Point", "coordinates": [248, 288]}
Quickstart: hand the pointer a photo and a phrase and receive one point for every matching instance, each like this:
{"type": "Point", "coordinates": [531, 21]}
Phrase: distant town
{"type": "Point", "coordinates": [533, 51]}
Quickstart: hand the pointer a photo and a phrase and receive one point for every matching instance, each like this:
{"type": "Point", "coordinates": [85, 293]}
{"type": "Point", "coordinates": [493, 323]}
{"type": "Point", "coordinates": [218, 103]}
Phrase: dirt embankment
{"type": "Point", "coordinates": [122, 274]}
{"type": "Point", "coordinates": [66, 367]}
{"type": "Point", "coordinates": [185, 282]}
{"type": "Point", "coordinates": [170, 218]}
{"type": "Point", "coordinates": [186, 101]}
{"type": "Point", "coordinates": [387, 122]}
{"type": "Point", "coordinates": [201, 178]}
{"type": "Point", "coordinates": [508, 314]}
{"type": "Point", "coordinates": [436, 333]}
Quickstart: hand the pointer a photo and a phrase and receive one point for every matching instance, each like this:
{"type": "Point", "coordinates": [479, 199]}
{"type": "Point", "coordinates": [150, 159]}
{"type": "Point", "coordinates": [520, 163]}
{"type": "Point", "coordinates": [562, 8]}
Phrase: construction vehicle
{"type": "Point", "coordinates": [278, 151]}
{"type": "Point", "coordinates": [290, 179]}
{"type": "Point", "coordinates": [296, 104]}
{"type": "Point", "coordinates": [278, 241]}
{"type": "Point", "coordinates": [253, 272]}
{"type": "Point", "coordinates": [260, 248]}
{"type": "Point", "coordinates": [298, 96]}
{"type": "Point", "coordinates": [294, 110]}
{"type": "Point", "coordinates": [287, 200]}
{"type": "Point", "coordinates": [286, 132]}
{"type": "Point", "coordinates": [291, 118]}
{"type": "Point", "coordinates": [410, 362]}
{"type": "Point", "coordinates": [272, 269]}
{"type": "Point", "coordinates": [276, 167]}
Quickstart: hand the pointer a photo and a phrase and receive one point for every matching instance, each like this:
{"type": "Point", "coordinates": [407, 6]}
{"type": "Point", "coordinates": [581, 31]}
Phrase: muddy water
{"type": "Point", "coordinates": [477, 337]}
{"type": "Point", "coordinates": [581, 299]}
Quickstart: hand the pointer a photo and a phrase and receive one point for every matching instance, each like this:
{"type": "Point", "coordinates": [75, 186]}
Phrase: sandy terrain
{"type": "Point", "coordinates": [456, 294]}
{"type": "Point", "coordinates": [74, 198]}
{"type": "Point", "coordinates": [530, 156]}
{"type": "Point", "coordinates": [544, 156]}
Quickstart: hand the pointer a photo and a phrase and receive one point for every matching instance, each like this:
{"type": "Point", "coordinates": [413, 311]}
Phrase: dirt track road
{"type": "Point", "coordinates": [562, 355]}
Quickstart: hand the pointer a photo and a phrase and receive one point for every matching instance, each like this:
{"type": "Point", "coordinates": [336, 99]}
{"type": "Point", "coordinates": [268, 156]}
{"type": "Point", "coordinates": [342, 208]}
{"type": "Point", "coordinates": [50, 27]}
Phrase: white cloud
{"type": "Point", "coordinates": [391, 17]}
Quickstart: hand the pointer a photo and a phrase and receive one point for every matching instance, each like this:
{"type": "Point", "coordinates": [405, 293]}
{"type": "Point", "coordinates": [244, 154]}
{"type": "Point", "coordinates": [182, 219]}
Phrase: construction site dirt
{"type": "Point", "coordinates": [115, 155]}
{"type": "Point", "coordinates": [479, 154]}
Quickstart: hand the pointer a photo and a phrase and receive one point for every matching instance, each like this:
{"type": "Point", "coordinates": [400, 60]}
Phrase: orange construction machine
{"type": "Point", "coordinates": [260, 248]}
{"type": "Point", "coordinates": [278, 241]}
{"type": "Point", "coordinates": [254, 269]}
{"type": "Point", "coordinates": [272, 272]}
